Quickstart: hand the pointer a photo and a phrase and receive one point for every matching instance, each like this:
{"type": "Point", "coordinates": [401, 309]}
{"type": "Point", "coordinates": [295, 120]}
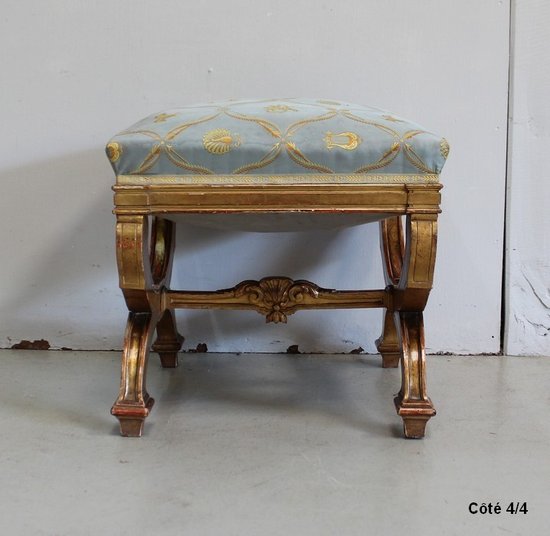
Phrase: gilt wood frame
{"type": "Point", "coordinates": [145, 260]}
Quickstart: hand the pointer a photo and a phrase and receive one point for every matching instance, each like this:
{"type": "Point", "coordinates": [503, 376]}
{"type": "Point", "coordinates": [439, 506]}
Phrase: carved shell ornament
{"type": "Point", "coordinates": [276, 297]}
{"type": "Point", "coordinates": [220, 141]}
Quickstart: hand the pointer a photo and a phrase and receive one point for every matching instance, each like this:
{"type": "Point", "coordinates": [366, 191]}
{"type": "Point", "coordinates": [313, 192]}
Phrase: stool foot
{"type": "Point", "coordinates": [134, 403]}
{"type": "Point", "coordinates": [415, 416]}
{"type": "Point", "coordinates": [414, 428]}
{"type": "Point", "coordinates": [132, 417]}
{"type": "Point", "coordinates": [131, 427]}
{"type": "Point", "coordinates": [168, 341]}
{"type": "Point", "coordinates": [412, 402]}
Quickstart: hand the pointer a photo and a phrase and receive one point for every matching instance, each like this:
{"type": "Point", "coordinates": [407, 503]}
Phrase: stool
{"type": "Point", "coordinates": [289, 156]}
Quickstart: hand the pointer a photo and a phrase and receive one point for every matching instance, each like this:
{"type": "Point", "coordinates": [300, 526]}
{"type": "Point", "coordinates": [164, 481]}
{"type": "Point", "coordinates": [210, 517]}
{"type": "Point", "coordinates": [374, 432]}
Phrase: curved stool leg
{"type": "Point", "coordinates": [134, 403]}
{"type": "Point", "coordinates": [135, 279]}
{"type": "Point", "coordinates": [392, 246]}
{"type": "Point", "coordinates": [409, 300]}
{"type": "Point", "coordinates": [412, 402]}
{"type": "Point", "coordinates": [168, 341]}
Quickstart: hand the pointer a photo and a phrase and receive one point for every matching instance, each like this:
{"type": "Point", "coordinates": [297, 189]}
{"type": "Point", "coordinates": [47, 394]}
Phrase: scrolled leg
{"type": "Point", "coordinates": [409, 299]}
{"type": "Point", "coordinates": [135, 279]}
{"type": "Point", "coordinates": [134, 403]}
{"type": "Point", "coordinates": [392, 248]}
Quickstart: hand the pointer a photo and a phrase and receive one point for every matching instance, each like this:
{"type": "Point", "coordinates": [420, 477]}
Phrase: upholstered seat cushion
{"type": "Point", "coordinates": [274, 141]}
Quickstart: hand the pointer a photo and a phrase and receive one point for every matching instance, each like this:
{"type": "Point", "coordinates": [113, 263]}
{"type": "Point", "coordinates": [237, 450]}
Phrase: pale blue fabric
{"type": "Point", "coordinates": [272, 137]}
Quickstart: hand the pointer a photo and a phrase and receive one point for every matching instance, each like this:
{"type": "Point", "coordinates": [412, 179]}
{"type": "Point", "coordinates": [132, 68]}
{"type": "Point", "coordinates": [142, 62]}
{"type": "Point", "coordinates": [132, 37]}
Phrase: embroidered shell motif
{"type": "Point", "coordinates": [220, 141]}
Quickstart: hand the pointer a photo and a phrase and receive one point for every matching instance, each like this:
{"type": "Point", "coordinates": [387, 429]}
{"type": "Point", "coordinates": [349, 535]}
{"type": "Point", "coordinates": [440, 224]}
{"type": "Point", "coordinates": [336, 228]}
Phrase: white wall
{"type": "Point", "coordinates": [528, 214]}
{"type": "Point", "coordinates": [75, 72]}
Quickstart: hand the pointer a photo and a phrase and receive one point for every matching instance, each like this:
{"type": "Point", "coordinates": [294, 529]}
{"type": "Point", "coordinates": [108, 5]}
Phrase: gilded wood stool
{"type": "Point", "coordinates": [275, 156]}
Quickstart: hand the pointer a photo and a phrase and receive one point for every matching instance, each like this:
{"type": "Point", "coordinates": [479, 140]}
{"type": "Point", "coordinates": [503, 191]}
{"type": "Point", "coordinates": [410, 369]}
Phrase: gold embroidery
{"type": "Point", "coordinates": [181, 162]}
{"type": "Point", "coordinates": [150, 159]}
{"type": "Point", "coordinates": [294, 153]}
{"type": "Point", "coordinates": [384, 128]}
{"type": "Point", "coordinates": [114, 150]}
{"type": "Point", "coordinates": [345, 140]}
{"type": "Point", "coordinates": [266, 160]}
{"type": "Point", "coordinates": [292, 129]}
{"type": "Point", "coordinates": [392, 119]}
{"type": "Point", "coordinates": [161, 146]}
{"type": "Point", "coordinates": [267, 125]}
{"type": "Point", "coordinates": [161, 118]}
{"type": "Point", "coordinates": [154, 153]}
{"type": "Point", "coordinates": [173, 146]}
{"type": "Point", "coordinates": [410, 153]}
{"type": "Point", "coordinates": [387, 158]}
{"type": "Point", "coordinates": [220, 141]}
{"type": "Point", "coordinates": [176, 131]}
{"type": "Point", "coordinates": [303, 160]}
{"type": "Point", "coordinates": [279, 108]}
{"type": "Point", "coordinates": [444, 148]}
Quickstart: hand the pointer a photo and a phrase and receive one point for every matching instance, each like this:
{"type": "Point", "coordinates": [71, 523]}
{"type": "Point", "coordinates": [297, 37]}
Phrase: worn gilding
{"type": "Point", "coordinates": [275, 156]}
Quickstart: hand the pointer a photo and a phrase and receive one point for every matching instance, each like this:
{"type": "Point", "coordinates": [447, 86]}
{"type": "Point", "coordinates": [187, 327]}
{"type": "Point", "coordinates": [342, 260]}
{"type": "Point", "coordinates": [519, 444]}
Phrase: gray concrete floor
{"type": "Point", "coordinates": [271, 445]}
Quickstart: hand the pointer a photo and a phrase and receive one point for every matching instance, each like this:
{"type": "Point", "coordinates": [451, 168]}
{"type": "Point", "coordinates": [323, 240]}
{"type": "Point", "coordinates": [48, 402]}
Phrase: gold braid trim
{"type": "Point", "coordinates": [290, 179]}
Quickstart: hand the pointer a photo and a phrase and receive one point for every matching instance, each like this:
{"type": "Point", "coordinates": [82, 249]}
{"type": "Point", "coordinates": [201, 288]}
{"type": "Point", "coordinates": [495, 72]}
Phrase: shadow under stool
{"type": "Point", "coordinates": [265, 157]}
